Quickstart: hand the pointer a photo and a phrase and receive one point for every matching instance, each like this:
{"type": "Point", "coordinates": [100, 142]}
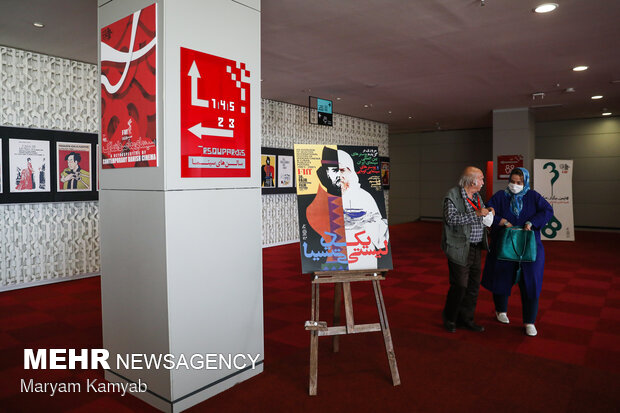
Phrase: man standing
{"type": "Point", "coordinates": [462, 240]}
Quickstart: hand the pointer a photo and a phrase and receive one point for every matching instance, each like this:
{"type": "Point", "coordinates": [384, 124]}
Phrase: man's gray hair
{"type": "Point", "coordinates": [468, 178]}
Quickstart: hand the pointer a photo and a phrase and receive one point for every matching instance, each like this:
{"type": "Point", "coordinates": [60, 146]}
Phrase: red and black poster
{"type": "Point", "coordinates": [215, 116]}
{"type": "Point", "coordinates": [506, 163]}
{"type": "Point", "coordinates": [342, 214]}
{"type": "Point", "coordinates": [129, 91]}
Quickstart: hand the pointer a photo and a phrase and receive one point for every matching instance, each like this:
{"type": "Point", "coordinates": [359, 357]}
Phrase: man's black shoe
{"type": "Point", "coordinates": [449, 325]}
{"type": "Point", "coordinates": [472, 327]}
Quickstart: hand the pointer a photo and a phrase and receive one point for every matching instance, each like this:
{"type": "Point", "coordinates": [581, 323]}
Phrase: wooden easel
{"type": "Point", "coordinates": [342, 281]}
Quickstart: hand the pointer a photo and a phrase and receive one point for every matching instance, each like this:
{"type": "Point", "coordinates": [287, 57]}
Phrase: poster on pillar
{"type": "Point", "coordinates": [129, 91]}
{"type": "Point", "coordinates": [215, 116]}
{"type": "Point", "coordinates": [506, 163]}
{"type": "Point", "coordinates": [553, 179]}
{"type": "Point", "coordinates": [341, 205]}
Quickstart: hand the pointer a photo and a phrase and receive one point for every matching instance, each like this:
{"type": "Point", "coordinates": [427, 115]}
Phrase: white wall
{"type": "Point", "coordinates": [47, 242]}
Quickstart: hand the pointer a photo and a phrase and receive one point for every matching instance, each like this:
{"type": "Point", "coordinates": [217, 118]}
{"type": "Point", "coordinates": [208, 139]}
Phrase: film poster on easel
{"type": "Point", "coordinates": [342, 215]}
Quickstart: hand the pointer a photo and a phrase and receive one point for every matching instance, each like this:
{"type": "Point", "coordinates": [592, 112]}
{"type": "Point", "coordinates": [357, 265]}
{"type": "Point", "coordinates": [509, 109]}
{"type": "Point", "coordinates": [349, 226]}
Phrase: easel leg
{"type": "Point", "coordinates": [348, 307]}
{"type": "Point", "coordinates": [387, 337]}
{"type": "Point", "coordinates": [314, 341]}
{"type": "Point", "coordinates": [337, 308]}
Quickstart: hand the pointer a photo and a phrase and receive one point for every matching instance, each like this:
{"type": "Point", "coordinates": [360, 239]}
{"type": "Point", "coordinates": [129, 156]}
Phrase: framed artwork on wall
{"type": "Point", "coordinates": [39, 165]}
{"type": "Point", "coordinates": [277, 171]}
{"type": "Point", "coordinates": [385, 171]}
{"type": "Point", "coordinates": [73, 166]}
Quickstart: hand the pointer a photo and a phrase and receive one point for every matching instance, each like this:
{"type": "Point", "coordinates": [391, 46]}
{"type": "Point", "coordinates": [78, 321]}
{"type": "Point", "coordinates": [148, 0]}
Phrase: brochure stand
{"type": "Point", "coordinates": [342, 281]}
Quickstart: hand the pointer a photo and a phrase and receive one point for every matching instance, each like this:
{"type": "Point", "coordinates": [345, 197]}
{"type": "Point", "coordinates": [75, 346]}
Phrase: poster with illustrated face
{"type": "Point", "coordinates": [129, 91]}
{"type": "Point", "coordinates": [29, 165]}
{"type": "Point", "coordinates": [268, 171]}
{"type": "Point", "coordinates": [342, 214]}
{"type": "Point", "coordinates": [285, 171]}
{"type": "Point", "coordinates": [73, 166]}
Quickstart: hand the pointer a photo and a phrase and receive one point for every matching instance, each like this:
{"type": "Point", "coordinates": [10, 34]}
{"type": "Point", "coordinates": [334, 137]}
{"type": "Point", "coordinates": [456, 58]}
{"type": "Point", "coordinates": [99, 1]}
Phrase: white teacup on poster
{"type": "Point", "coordinates": [553, 179]}
{"type": "Point", "coordinates": [29, 165]}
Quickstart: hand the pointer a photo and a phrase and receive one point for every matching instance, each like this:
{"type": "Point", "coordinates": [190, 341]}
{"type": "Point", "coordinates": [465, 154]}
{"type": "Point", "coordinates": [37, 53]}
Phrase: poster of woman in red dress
{"type": "Point", "coordinates": [28, 167]}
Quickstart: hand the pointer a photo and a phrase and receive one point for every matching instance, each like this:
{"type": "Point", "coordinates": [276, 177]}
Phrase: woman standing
{"type": "Point", "coordinates": [521, 206]}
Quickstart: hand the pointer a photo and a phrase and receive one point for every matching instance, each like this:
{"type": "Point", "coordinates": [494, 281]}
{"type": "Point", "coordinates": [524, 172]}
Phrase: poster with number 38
{"type": "Point", "coordinates": [553, 179]}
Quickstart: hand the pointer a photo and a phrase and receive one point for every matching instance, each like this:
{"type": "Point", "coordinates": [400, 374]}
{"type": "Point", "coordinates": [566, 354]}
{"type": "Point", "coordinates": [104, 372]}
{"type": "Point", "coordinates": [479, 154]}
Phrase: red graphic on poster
{"type": "Point", "coordinates": [215, 116]}
{"type": "Point", "coordinates": [129, 91]}
{"type": "Point", "coordinates": [506, 163]}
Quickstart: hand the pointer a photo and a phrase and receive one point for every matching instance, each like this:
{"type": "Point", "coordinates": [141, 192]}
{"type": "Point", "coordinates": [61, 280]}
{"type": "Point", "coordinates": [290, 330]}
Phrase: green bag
{"type": "Point", "coordinates": [517, 244]}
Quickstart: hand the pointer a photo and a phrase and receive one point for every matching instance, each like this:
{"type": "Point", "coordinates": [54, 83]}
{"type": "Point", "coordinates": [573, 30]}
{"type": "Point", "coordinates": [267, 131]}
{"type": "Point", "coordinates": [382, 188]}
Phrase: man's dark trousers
{"type": "Point", "coordinates": [464, 287]}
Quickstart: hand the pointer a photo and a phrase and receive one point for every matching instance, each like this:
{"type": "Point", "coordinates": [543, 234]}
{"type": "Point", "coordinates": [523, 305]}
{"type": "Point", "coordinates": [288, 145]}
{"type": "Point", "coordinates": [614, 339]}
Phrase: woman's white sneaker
{"type": "Point", "coordinates": [502, 317]}
{"type": "Point", "coordinates": [530, 330]}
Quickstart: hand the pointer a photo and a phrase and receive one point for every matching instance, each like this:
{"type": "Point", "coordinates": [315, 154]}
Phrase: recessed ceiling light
{"type": "Point", "coordinates": [38, 25]}
{"type": "Point", "coordinates": [546, 7]}
{"type": "Point", "coordinates": [597, 97]}
{"type": "Point", "coordinates": [606, 113]}
{"type": "Point", "coordinates": [365, 106]}
{"type": "Point", "coordinates": [338, 98]}
{"type": "Point", "coordinates": [410, 117]}
{"type": "Point", "coordinates": [580, 68]}
{"type": "Point", "coordinates": [389, 111]}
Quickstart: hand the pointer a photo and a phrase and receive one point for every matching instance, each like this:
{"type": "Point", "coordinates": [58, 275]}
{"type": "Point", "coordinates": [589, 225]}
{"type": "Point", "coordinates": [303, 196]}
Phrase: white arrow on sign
{"type": "Point", "coordinates": [200, 131]}
{"type": "Point", "coordinates": [195, 75]}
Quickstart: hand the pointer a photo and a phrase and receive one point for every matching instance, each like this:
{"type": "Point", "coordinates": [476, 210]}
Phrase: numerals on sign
{"type": "Point", "coordinates": [231, 123]}
{"type": "Point", "coordinates": [551, 229]}
{"type": "Point", "coordinates": [223, 104]}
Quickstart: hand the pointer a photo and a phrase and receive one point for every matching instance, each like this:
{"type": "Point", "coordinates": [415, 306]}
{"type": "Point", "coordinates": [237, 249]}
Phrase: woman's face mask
{"type": "Point", "coordinates": [514, 188]}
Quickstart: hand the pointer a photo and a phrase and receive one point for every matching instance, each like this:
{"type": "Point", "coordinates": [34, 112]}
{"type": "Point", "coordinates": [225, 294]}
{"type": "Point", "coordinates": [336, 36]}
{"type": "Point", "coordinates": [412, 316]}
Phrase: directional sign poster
{"type": "Point", "coordinates": [215, 116]}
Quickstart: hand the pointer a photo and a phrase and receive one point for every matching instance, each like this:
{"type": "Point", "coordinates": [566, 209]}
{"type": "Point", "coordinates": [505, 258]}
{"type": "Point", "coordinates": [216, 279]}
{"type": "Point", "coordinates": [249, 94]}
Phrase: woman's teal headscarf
{"type": "Point", "coordinates": [516, 200]}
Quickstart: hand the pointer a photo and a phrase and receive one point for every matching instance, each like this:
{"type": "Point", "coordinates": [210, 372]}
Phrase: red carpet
{"type": "Point", "coordinates": [572, 366]}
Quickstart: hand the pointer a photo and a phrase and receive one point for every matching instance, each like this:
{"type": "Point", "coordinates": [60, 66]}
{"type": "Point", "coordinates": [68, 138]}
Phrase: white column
{"type": "Point", "coordinates": [181, 257]}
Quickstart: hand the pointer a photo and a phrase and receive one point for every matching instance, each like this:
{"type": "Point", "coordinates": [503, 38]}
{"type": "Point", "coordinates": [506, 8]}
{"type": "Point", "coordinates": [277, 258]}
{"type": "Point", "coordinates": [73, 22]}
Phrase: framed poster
{"type": "Point", "coordinates": [29, 165]}
{"type": "Point", "coordinates": [32, 162]}
{"type": "Point", "coordinates": [506, 163]}
{"type": "Point", "coordinates": [553, 179]}
{"type": "Point", "coordinates": [282, 161]}
{"type": "Point", "coordinates": [129, 91]}
{"type": "Point", "coordinates": [73, 166]}
{"type": "Point", "coordinates": [342, 214]}
{"type": "Point", "coordinates": [285, 171]}
{"type": "Point", "coordinates": [268, 171]}
{"type": "Point", "coordinates": [215, 116]}
{"type": "Point", "coordinates": [385, 172]}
